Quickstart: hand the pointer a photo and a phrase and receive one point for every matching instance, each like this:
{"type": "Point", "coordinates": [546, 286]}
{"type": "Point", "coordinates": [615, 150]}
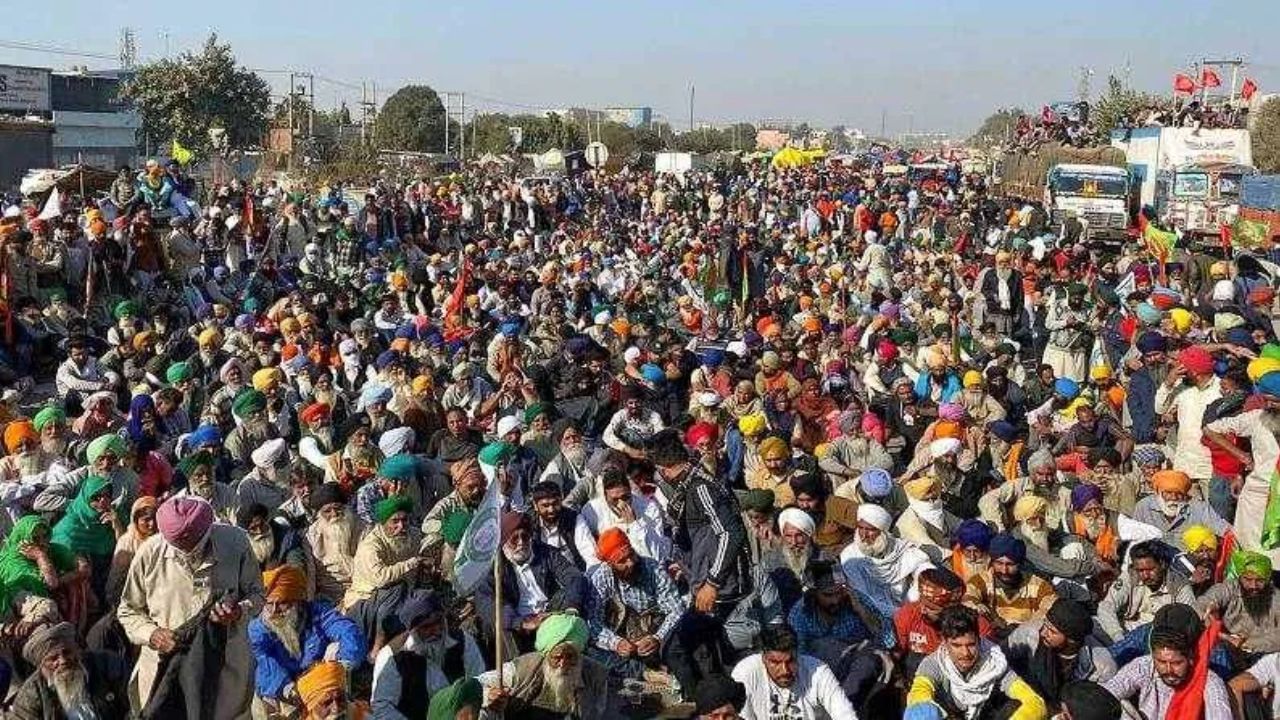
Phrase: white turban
{"type": "Point", "coordinates": [943, 446]}
{"type": "Point", "coordinates": [1224, 291]}
{"type": "Point", "coordinates": [631, 354]}
{"type": "Point", "coordinates": [798, 519]}
{"type": "Point", "coordinates": [396, 441]}
{"type": "Point", "coordinates": [269, 452]}
{"type": "Point", "coordinates": [708, 398]}
{"type": "Point", "coordinates": [604, 317]}
{"type": "Point", "coordinates": [875, 516]}
{"type": "Point", "coordinates": [507, 424]}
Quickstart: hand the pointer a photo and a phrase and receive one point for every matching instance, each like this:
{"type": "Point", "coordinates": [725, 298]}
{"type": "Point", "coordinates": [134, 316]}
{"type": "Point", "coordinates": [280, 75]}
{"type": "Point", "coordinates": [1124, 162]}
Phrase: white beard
{"type": "Point", "coordinates": [560, 689]}
{"type": "Point", "coordinates": [286, 629]}
{"type": "Point", "coordinates": [875, 549]}
{"type": "Point", "coordinates": [929, 511]}
{"type": "Point", "coordinates": [1039, 538]}
{"type": "Point", "coordinates": [54, 448]}
{"type": "Point", "coordinates": [69, 687]}
{"type": "Point", "coordinates": [576, 455]}
{"type": "Point", "coordinates": [1170, 508]}
{"type": "Point", "coordinates": [262, 546]}
{"type": "Point", "coordinates": [335, 536]}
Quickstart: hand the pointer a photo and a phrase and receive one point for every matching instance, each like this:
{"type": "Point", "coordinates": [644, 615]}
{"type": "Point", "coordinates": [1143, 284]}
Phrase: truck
{"type": "Point", "coordinates": [1257, 226]}
{"type": "Point", "coordinates": [1092, 184]}
{"type": "Point", "coordinates": [1191, 177]}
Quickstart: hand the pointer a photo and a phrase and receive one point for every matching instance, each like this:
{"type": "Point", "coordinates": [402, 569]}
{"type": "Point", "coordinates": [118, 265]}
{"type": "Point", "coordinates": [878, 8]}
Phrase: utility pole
{"type": "Point", "coordinates": [292, 135]}
{"type": "Point", "coordinates": [128, 49]}
{"type": "Point", "coordinates": [884, 115]}
{"type": "Point", "coordinates": [691, 91]}
{"type": "Point", "coordinates": [1082, 87]}
{"type": "Point", "coordinates": [1234, 63]}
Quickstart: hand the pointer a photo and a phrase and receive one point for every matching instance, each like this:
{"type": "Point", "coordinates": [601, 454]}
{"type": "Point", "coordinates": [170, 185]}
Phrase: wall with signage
{"type": "Point", "coordinates": [24, 90]}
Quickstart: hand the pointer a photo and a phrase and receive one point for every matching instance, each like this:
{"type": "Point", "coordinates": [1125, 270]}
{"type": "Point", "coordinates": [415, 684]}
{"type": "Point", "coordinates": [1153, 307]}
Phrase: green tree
{"type": "Point", "coordinates": [1266, 137]}
{"type": "Point", "coordinates": [1121, 105]}
{"type": "Point", "coordinates": [411, 119]}
{"type": "Point", "coordinates": [998, 126]}
{"type": "Point", "coordinates": [181, 99]}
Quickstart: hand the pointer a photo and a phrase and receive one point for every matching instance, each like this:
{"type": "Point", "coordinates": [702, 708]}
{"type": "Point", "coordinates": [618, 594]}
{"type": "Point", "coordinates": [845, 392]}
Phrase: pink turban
{"type": "Point", "coordinates": [184, 520]}
{"type": "Point", "coordinates": [954, 412]}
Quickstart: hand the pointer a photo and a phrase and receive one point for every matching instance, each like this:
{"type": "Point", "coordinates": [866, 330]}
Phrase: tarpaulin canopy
{"type": "Point", "coordinates": [789, 157]}
{"type": "Point", "coordinates": [67, 179]}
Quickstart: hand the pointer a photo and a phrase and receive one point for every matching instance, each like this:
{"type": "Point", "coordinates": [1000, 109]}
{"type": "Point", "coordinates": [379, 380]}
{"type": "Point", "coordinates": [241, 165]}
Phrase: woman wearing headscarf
{"type": "Point", "coordinates": [142, 525]}
{"type": "Point", "coordinates": [812, 409]}
{"type": "Point", "coordinates": [89, 529]}
{"type": "Point", "coordinates": [143, 426]}
{"type": "Point", "coordinates": [30, 564]}
{"type": "Point", "coordinates": [100, 416]}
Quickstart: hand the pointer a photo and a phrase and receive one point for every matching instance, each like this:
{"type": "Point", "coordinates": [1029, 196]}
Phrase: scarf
{"type": "Point", "coordinates": [970, 693]}
{"type": "Point", "coordinates": [886, 576]}
{"type": "Point", "coordinates": [930, 513]}
{"type": "Point", "coordinates": [81, 530]}
{"type": "Point", "coordinates": [1107, 543]}
{"type": "Point", "coordinates": [17, 573]}
{"type": "Point", "coordinates": [1188, 701]}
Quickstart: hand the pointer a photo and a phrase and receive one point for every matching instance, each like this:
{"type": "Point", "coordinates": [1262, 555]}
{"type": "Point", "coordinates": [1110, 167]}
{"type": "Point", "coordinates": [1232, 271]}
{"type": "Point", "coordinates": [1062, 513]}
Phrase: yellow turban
{"type": "Point", "coordinates": [1028, 506]}
{"type": "Point", "coordinates": [919, 488]}
{"type": "Point", "coordinates": [265, 379]}
{"type": "Point", "coordinates": [1181, 320]}
{"type": "Point", "coordinates": [209, 337]}
{"type": "Point", "coordinates": [285, 583]}
{"type": "Point", "coordinates": [936, 359]}
{"type": "Point", "coordinates": [1199, 537]}
{"type": "Point", "coordinates": [422, 383]}
{"type": "Point", "coordinates": [1100, 372]}
{"type": "Point", "coordinates": [774, 448]}
{"type": "Point", "coordinates": [1171, 481]}
{"type": "Point", "coordinates": [1261, 366]}
{"type": "Point", "coordinates": [752, 425]}
{"type": "Point", "coordinates": [319, 682]}
{"type": "Point", "coordinates": [973, 378]}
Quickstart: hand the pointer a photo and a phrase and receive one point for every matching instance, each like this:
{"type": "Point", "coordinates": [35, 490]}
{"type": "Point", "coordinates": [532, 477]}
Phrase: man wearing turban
{"type": "Point", "coordinates": [1069, 338]}
{"type": "Point", "coordinates": [555, 679]}
{"type": "Point", "coordinates": [1042, 481]}
{"type": "Point", "coordinates": [1049, 551]}
{"type": "Point", "coordinates": [1256, 423]}
{"type": "Point", "coordinates": [332, 537]}
{"type": "Point", "coordinates": [322, 692]}
{"type": "Point", "coordinates": [1174, 673]}
{"type": "Point", "coordinates": [1247, 602]}
{"type": "Point", "coordinates": [253, 429]}
{"type": "Point", "coordinates": [1171, 508]}
{"type": "Point", "coordinates": [785, 562]}
{"type": "Point", "coordinates": [385, 567]}
{"type": "Point", "coordinates": [423, 655]}
{"type": "Point", "coordinates": [881, 565]}
{"type": "Point", "coordinates": [1007, 593]}
{"type": "Point", "coordinates": [67, 678]}
{"type": "Point", "coordinates": [105, 454]}
{"type": "Point", "coordinates": [195, 565]}
{"type": "Point", "coordinates": [1188, 400]}
{"type": "Point", "coordinates": [293, 633]}
{"type": "Point", "coordinates": [926, 522]}
{"type": "Point", "coordinates": [200, 468]}
{"type": "Point", "coordinates": [774, 470]}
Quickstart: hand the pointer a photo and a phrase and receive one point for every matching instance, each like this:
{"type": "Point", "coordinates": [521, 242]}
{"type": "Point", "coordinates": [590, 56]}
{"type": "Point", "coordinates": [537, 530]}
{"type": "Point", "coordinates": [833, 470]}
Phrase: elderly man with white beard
{"type": "Point", "coordinates": [218, 410]}
{"type": "Point", "coordinates": [1069, 561]}
{"type": "Point", "coordinates": [881, 565]}
{"type": "Point", "coordinates": [554, 681]}
{"type": "Point", "coordinates": [104, 454]}
{"type": "Point", "coordinates": [1042, 481]}
{"type": "Point", "coordinates": [1171, 509]}
{"type": "Point", "coordinates": [318, 441]}
{"type": "Point", "coordinates": [385, 568]}
{"type": "Point", "coordinates": [198, 468]}
{"type": "Point", "coordinates": [253, 429]}
{"type": "Point", "coordinates": [424, 658]}
{"type": "Point", "coordinates": [568, 468]}
{"type": "Point", "coordinates": [785, 563]}
{"type": "Point", "coordinates": [268, 483]}
{"type": "Point", "coordinates": [333, 537]}
{"type": "Point", "coordinates": [69, 682]}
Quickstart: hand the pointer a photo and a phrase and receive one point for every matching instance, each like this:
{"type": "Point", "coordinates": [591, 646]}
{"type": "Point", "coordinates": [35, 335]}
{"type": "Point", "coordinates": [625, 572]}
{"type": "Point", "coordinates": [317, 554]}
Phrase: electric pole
{"type": "Point", "coordinates": [691, 91]}
{"type": "Point", "coordinates": [292, 135]}
{"type": "Point", "coordinates": [1234, 63]}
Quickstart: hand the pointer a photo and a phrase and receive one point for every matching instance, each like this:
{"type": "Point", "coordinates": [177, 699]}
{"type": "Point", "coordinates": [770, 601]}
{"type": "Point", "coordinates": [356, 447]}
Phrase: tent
{"type": "Point", "coordinates": [789, 157]}
{"type": "Point", "coordinates": [67, 178]}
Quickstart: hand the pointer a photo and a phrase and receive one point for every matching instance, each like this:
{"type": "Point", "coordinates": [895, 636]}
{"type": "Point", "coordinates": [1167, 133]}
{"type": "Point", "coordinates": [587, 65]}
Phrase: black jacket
{"type": "Point", "coordinates": [562, 583]}
{"type": "Point", "coordinates": [107, 686]}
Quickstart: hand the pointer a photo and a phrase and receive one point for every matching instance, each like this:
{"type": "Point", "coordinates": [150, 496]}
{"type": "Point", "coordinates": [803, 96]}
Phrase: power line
{"type": "Point", "coordinates": [54, 50]}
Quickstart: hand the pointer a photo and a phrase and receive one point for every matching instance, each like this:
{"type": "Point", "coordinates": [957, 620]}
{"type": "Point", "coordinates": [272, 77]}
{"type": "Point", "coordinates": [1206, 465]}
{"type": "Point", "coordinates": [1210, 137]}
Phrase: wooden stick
{"type": "Point", "coordinates": [497, 614]}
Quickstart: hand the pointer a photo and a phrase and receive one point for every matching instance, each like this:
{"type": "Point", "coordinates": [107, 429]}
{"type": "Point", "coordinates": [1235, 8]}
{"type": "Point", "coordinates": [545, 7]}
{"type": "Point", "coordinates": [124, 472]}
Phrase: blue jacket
{"type": "Point", "coordinates": [1142, 406]}
{"type": "Point", "coordinates": [950, 388]}
{"type": "Point", "coordinates": [324, 625]}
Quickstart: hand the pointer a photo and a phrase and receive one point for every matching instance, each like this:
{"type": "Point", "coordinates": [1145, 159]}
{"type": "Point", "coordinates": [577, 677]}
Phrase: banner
{"type": "Point", "coordinates": [479, 545]}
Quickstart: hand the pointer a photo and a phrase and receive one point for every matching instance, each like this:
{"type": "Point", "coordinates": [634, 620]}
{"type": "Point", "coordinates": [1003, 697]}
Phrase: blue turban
{"type": "Point", "coordinates": [1150, 342]}
{"type": "Point", "coordinates": [204, 435]}
{"type": "Point", "coordinates": [1241, 336]}
{"type": "Point", "coordinates": [406, 332]}
{"type": "Point", "coordinates": [1067, 388]}
{"type": "Point", "coordinates": [399, 467]}
{"type": "Point", "coordinates": [973, 533]}
{"type": "Point", "coordinates": [1148, 314]}
{"type": "Point", "coordinates": [1008, 546]}
{"type": "Point", "coordinates": [653, 374]}
{"type": "Point", "coordinates": [1083, 494]}
{"type": "Point", "coordinates": [1269, 384]}
{"type": "Point", "coordinates": [1148, 455]}
{"type": "Point", "coordinates": [712, 357]}
{"type": "Point", "coordinates": [577, 346]}
{"type": "Point", "coordinates": [386, 358]}
{"type": "Point", "coordinates": [373, 393]}
{"type": "Point", "coordinates": [510, 328]}
{"type": "Point", "coordinates": [1004, 430]}
{"type": "Point", "coordinates": [875, 483]}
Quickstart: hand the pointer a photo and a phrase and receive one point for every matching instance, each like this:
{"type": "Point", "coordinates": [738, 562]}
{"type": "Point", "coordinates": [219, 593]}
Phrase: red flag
{"type": "Point", "coordinates": [1183, 84]}
{"type": "Point", "coordinates": [1224, 231]}
{"type": "Point", "coordinates": [248, 215]}
{"type": "Point", "coordinates": [454, 304]}
{"type": "Point", "coordinates": [1248, 89]}
{"type": "Point", "coordinates": [1209, 78]}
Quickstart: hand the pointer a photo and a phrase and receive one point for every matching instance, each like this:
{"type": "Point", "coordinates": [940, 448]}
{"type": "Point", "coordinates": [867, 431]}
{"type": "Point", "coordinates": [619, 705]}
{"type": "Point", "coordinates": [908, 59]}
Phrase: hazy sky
{"type": "Point", "coordinates": [926, 65]}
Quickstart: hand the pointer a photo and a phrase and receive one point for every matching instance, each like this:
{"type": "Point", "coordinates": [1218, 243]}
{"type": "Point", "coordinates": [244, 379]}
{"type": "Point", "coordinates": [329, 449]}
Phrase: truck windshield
{"type": "Point", "coordinates": [1089, 185]}
{"type": "Point", "coordinates": [1191, 185]}
{"type": "Point", "coordinates": [1229, 186]}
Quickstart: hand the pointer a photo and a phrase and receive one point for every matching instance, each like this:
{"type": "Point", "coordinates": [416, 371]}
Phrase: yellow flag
{"type": "Point", "coordinates": [181, 154]}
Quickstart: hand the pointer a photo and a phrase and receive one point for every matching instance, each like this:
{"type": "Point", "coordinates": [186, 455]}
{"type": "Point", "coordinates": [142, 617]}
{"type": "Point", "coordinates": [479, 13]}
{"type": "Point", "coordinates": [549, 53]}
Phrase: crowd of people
{"type": "Point", "coordinates": [1070, 123]}
{"type": "Point", "coordinates": [764, 444]}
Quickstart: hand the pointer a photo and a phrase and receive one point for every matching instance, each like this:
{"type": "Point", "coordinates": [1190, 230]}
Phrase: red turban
{"type": "Point", "coordinates": [1196, 360]}
{"type": "Point", "coordinates": [1261, 295]}
{"type": "Point", "coordinates": [886, 351]}
{"type": "Point", "coordinates": [700, 431]}
{"type": "Point", "coordinates": [613, 545]}
{"type": "Point", "coordinates": [313, 413]}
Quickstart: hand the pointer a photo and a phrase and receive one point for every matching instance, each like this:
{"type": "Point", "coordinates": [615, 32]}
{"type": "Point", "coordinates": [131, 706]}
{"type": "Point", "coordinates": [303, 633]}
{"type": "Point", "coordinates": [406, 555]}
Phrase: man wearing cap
{"type": "Point", "coordinates": [293, 633]}
{"type": "Point", "coordinates": [554, 680]}
{"type": "Point", "coordinates": [537, 581]}
{"type": "Point", "coordinates": [1174, 671]}
{"type": "Point", "coordinates": [192, 566]}
{"type": "Point", "coordinates": [639, 620]}
{"type": "Point", "coordinates": [1189, 388]}
{"type": "Point", "coordinates": [69, 682]}
{"type": "Point", "coordinates": [1059, 649]}
{"type": "Point", "coordinates": [1005, 593]}
{"type": "Point", "coordinates": [422, 659]}
{"type": "Point", "coordinates": [881, 565]}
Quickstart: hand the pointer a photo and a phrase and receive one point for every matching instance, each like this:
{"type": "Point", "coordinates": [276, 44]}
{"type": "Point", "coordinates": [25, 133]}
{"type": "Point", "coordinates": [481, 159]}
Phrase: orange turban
{"type": "Point", "coordinates": [948, 429]}
{"type": "Point", "coordinates": [400, 345]}
{"type": "Point", "coordinates": [18, 432]}
{"type": "Point", "coordinates": [1171, 481]}
{"type": "Point", "coordinates": [319, 682]}
{"type": "Point", "coordinates": [422, 383]}
{"type": "Point", "coordinates": [285, 583]}
{"type": "Point", "coordinates": [613, 545]}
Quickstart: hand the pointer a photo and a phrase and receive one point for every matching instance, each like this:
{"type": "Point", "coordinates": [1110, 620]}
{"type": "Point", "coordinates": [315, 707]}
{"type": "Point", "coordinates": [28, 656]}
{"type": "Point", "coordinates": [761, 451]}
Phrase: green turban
{"type": "Point", "coordinates": [1271, 350]}
{"type": "Point", "coordinates": [195, 460]}
{"type": "Point", "coordinates": [447, 703]}
{"type": "Point", "coordinates": [179, 372]}
{"type": "Point", "coordinates": [560, 628]}
{"type": "Point", "coordinates": [454, 525]}
{"type": "Point", "coordinates": [496, 453]}
{"type": "Point", "coordinates": [248, 402]}
{"type": "Point", "coordinates": [903, 336]}
{"type": "Point", "coordinates": [124, 309]}
{"type": "Point", "coordinates": [111, 443]}
{"type": "Point", "coordinates": [533, 411]}
{"type": "Point", "coordinates": [388, 506]}
{"type": "Point", "coordinates": [760, 500]}
{"type": "Point", "coordinates": [399, 467]}
{"type": "Point", "coordinates": [48, 416]}
{"type": "Point", "coordinates": [1253, 563]}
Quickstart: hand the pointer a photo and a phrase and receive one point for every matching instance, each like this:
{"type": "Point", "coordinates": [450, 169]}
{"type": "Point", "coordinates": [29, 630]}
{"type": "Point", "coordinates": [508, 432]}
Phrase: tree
{"type": "Point", "coordinates": [998, 126]}
{"type": "Point", "coordinates": [411, 119]}
{"type": "Point", "coordinates": [182, 99]}
{"type": "Point", "coordinates": [1266, 137]}
{"type": "Point", "coordinates": [1121, 106]}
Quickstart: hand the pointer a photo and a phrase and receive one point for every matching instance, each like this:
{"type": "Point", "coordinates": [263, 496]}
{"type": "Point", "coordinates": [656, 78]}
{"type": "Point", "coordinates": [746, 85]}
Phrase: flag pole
{"type": "Point", "coordinates": [497, 615]}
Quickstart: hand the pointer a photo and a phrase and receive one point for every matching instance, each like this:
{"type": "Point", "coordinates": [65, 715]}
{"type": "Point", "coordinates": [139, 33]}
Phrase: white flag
{"type": "Point", "coordinates": [53, 206]}
{"type": "Point", "coordinates": [479, 545]}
